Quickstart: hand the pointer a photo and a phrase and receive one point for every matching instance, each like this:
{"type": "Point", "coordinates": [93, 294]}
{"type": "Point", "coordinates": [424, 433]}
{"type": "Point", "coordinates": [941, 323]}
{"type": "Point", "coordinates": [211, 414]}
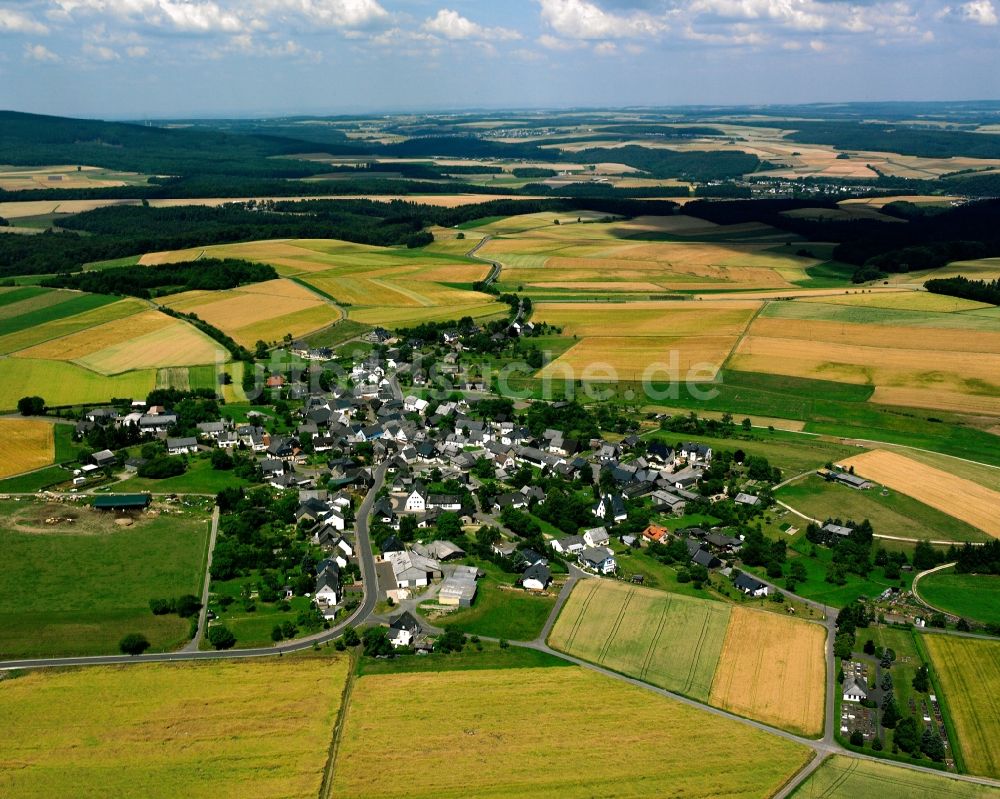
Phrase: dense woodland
{"type": "Point", "coordinates": [206, 274]}
{"type": "Point", "coordinates": [977, 290]}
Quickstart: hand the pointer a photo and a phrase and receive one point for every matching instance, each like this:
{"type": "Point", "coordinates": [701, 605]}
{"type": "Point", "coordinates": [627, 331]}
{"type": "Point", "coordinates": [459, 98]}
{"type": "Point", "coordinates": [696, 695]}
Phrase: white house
{"type": "Point", "coordinates": [598, 559]}
{"type": "Point", "coordinates": [415, 404]}
{"type": "Point", "coordinates": [182, 446]}
{"type": "Point", "coordinates": [750, 585]}
{"type": "Point", "coordinates": [403, 629]}
{"type": "Point", "coordinates": [327, 587]}
{"type": "Point", "coordinates": [416, 502]}
{"type": "Point", "coordinates": [596, 537]}
{"type": "Point", "coordinates": [536, 577]}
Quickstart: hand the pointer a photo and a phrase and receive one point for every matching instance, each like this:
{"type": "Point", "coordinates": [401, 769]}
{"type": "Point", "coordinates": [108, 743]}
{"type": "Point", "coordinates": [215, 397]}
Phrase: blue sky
{"type": "Point", "coordinates": [158, 58]}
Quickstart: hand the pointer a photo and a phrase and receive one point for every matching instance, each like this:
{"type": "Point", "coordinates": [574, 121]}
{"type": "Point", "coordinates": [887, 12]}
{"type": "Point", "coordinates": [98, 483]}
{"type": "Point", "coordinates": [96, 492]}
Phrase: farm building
{"type": "Point", "coordinates": [837, 529]}
{"type": "Point", "coordinates": [847, 479]}
{"type": "Point", "coordinates": [121, 502]}
{"type": "Point", "coordinates": [460, 587]}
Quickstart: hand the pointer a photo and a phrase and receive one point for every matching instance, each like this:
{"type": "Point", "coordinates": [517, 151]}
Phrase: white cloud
{"type": "Point", "coordinates": [189, 16]}
{"type": "Point", "coordinates": [605, 48]}
{"type": "Point", "coordinates": [980, 12]}
{"type": "Point", "coordinates": [15, 22]}
{"type": "Point", "coordinates": [580, 19]}
{"type": "Point", "coordinates": [39, 52]}
{"type": "Point", "coordinates": [331, 13]}
{"type": "Point", "coordinates": [452, 25]}
{"type": "Point", "coordinates": [98, 52]}
{"type": "Point", "coordinates": [550, 42]}
{"type": "Point", "coordinates": [137, 51]}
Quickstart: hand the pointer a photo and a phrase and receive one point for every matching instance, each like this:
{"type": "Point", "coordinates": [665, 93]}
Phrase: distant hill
{"type": "Point", "coordinates": [34, 139]}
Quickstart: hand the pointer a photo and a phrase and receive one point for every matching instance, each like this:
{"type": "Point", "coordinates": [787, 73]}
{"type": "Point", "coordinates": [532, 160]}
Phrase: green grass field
{"type": "Point", "coordinates": [491, 656]}
{"type": "Point", "coordinates": [76, 588]}
{"type": "Point", "coordinates": [664, 639]}
{"type": "Point", "coordinates": [70, 306]}
{"type": "Point", "coordinates": [973, 596]}
{"type": "Point", "coordinates": [223, 730]}
{"type": "Point", "coordinates": [34, 481]}
{"type": "Point", "coordinates": [848, 778]}
{"type": "Point", "coordinates": [500, 612]}
{"type": "Point", "coordinates": [61, 383]}
{"type": "Point", "coordinates": [894, 515]}
{"type": "Point", "coordinates": [252, 628]}
{"type": "Point", "coordinates": [968, 672]}
{"type": "Point", "coordinates": [200, 478]}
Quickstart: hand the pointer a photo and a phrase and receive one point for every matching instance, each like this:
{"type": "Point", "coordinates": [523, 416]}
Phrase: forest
{"type": "Point", "coordinates": [976, 290]}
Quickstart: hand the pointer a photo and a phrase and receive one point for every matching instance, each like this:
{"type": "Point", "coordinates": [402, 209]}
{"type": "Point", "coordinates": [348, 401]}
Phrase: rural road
{"type": "Point", "coordinates": [917, 578]}
{"type": "Point", "coordinates": [195, 642]}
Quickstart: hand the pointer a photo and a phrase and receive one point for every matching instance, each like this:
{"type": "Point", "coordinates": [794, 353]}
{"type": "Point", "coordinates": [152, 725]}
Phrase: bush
{"type": "Point", "coordinates": [857, 738]}
{"type": "Point", "coordinates": [133, 644]}
{"type": "Point", "coordinates": [161, 467]}
{"type": "Point", "coordinates": [31, 406]}
{"type": "Point", "coordinates": [161, 607]}
{"type": "Point", "coordinates": [221, 637]}
{"type": "Point", "coordinates": [187, 606]}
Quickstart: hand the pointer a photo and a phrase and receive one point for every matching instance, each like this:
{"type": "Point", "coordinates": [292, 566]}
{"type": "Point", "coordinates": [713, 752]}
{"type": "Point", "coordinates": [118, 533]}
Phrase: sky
{"type": "Point", "coordinates": [135, 59]}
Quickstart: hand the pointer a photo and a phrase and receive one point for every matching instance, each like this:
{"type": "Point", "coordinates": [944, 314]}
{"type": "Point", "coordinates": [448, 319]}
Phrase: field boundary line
{"type": "Point", "coordinates": [571, 638]}
{"type": "Point", "coordinates": [326, 785]}
{"type": "Point", "coordinates": [697, 652]}
{"type": "Point", "coordinates": [743, 334]}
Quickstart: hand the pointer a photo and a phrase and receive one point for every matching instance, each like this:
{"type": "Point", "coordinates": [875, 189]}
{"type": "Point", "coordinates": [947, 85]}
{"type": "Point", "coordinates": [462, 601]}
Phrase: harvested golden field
{"type": "Point", "coordinates": [647, 318]}
{"type": "Point", "coordinates": [25, 445]}
{"type": "Point", "coordinates": [958, 497]}
{"type": "Point", "coordinates": [916, 199]}
{"type": "Point", "coordinates": [773, 668]}
{"type": "Point", "coordinates": [145, 340]}
{"type": "Point", "coordinates": [903, 300]}
{"type": "Point", "coordinates": [667, 640]}
{"type": "Point", "coordinates": [937, 399]}
{"type": "Point", "coordinates": [243, 314]}
{"type": "Point", "coordinates": [66, 325]}
{"type": "Point", "coordinates": [962, 372]}
{"type": "Point", "coordinates": [987, 476]}
{"type": "Point", "coordinates": [18, 178]}
{"type": "Point", "coordinates": [628, 358]}
{"type": "Point", "coordinates": [968, 671]}
{"type": "Point", "coordinates": [548, 733]}
{"type": "Point", "coordinates": [882, 336]}
{"type": "Point", "coordinates": [251, 728]}
{"type": "Point", "coordinates": [381, 315]}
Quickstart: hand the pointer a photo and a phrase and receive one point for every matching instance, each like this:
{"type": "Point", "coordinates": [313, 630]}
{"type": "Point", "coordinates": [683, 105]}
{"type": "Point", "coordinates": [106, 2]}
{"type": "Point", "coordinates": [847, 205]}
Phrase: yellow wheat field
{"type": "Point", "coordinates": [937, 399]}
{"type": "Point", "coordinates": [956, 496]}
{"type": "Point", "coordinates": [773, 668]}
{"type": "Point", "coordinates": [548, 733]}
{"type": "Point", "coordinates": [609, 358]}
{"type": "Point", "coordinates": [647, 318]}
{"type": "Point", "coordinates": [220, 730]}
{"type": "Point", "coordinates": [969, 673]}
{"type": "Point", "coordinates": [25, 445]}
{"type": "Point", "coordinates": [56, 328]}
{"type": "Point", "coordinates": [78, 345]}
{"type": "Point", "coordinates": [955, 371]}
{"type": "Point", "coordinates": [903, 300]}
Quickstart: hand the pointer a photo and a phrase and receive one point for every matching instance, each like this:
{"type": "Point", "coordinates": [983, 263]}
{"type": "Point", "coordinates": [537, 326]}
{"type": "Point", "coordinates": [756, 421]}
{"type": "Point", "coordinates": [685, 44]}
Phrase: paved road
{"type": "Point", "coordinates": [195, 642]}
{"type": "Point", "coordinates": [360, 614]}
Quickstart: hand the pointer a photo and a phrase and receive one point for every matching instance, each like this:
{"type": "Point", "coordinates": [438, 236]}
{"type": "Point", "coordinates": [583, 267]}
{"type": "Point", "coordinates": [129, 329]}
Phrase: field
{"type": "Point", "coordinates": [945, 358]}
{"type": "Point", "coordinates": [76, 587]}
{"type": "Point", "coordinates": [667, 640]}
{"type": "Point", "coordinates": [67, 325]}
{"type": "Point", "coordinates": [545, 733]}
{"type": "Point", "coordinates": [761, 665]}
{"type": "Point", "coordinates": [43, 306]}
{"type": "Point", "coordinates": [968, 672]}
{"type": "Point", "coordinates": [773, 669]}
{"type": "Point", "coordinates": [848, 778]}
{"type": "Point", "coordinates": [902, 300]}
{"type": "Point", "coordinates": [261, 311]}
{"type": "Point", "coordinates": [148, 339]}
{"type": "Point", "coordinates": [955, 496]}
{"type": "Point", "coordinates": [972, 596]}
{"type": "Point", "coordinates": [16, 178]}
{"type": "Point", "coordinates": [62, 383]}
{"type": "Point", "coordinates": [896, 515]}
{"type": "Point", "coordinates": [25, 445]}
{"type": "Point", "coordinates": [378, 285]}
{"type": "Point", "coordinates": [257, 728]}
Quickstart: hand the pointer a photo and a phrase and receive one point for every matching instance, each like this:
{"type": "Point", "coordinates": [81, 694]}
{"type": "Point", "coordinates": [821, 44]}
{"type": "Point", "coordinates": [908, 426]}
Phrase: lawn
{"type": "Point", "coordinates": [220, 730]}
{"type": "Point", "coordinates": [968, 671]}
{"type": "Point", "coordinates": [491, 656]}
{"type": "Point", "coordinates": [894, 515]}
{"type": "Point", "coordinates": [667, 640]}
{"type": "Point", "coordinates": [547, 733]}
{"type": "Point", "coordinates": [973, 596]}
{"type": "Point", "coordinates": [34, 481]}
{"type": "Point", "coordinates": [500, 610]}
{"type": "Point", "coordinates": [655, 574]}
{"type": "Point", "coordinates": [842, 777]}
{"type": "Point", "coordinates": [112, 571]}
{"type": "Point", "coordinates": [904, 668]}
{"type": "Point", "coordinates": [252, 628]}
{"type": "Point", "coordinates": [200, 478]}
